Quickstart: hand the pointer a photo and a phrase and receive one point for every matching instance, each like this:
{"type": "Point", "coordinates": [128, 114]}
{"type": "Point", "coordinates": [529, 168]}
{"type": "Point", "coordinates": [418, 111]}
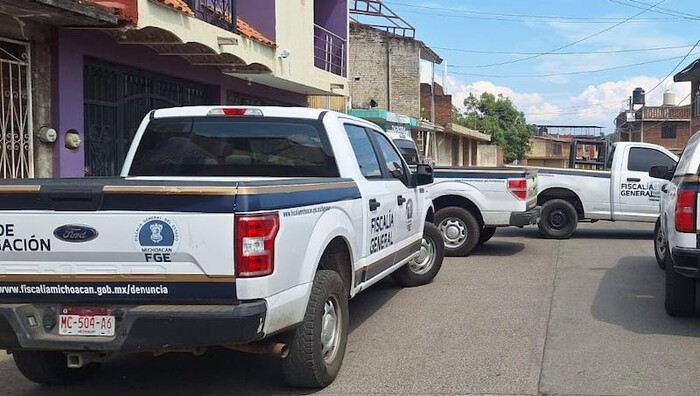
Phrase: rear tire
{"type": "Point", "coordinates": [659, 244]}
{"type": "Point", "coordinates": [422, 269]}
{"type": "Point", "coordinates": [558, 219]}
{"type": "Point", "coordinates": [51, 368]}
{"type": "Point", "coordinates": [459, 229]}
{"type": "Point", "coordinates": [680, 291]}
{"type": "Point", "coordinates": [317, 346]}
{"type": "Point", "coordinates": [486, 234]}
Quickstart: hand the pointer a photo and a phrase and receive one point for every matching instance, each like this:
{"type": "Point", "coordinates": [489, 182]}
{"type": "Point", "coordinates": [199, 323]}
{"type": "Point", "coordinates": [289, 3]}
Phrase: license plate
{"type": "Point", "coordinates": [86, 322]}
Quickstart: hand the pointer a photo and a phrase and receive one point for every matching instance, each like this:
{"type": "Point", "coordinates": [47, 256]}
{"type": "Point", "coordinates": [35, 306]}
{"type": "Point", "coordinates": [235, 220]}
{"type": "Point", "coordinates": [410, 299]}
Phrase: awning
{"type": "Point", "coordinates": [470, 133]}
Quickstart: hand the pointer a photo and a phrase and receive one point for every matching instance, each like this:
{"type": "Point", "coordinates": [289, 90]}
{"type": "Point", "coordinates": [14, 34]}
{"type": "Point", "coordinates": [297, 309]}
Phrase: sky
{"type": "Point", "coordinates": [637, 45]}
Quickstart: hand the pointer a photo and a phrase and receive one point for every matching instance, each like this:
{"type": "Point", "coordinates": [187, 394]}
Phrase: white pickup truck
{"type": "Point", "coordinates": [471, 202]}
{"type": "Point", "coordinates": [677, 239]}
{"type": "Point", "coordinates": [623, 192]}
{"type": "Point", "coordinates": [248, 228]}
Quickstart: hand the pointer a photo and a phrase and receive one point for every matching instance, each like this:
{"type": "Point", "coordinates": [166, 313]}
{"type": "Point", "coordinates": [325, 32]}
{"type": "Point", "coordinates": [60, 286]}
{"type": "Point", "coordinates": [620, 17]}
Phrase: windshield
{"type": "Point", "coordinates": [222, 146]}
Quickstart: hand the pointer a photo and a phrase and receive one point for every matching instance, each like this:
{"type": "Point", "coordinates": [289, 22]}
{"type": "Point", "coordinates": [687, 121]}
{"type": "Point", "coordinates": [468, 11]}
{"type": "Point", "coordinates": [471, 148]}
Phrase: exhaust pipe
{"type": "Point", "coordinates": [271, 349]}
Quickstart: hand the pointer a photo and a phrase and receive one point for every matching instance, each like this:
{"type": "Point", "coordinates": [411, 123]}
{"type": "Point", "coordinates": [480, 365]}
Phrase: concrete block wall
{"type": "Point", "coordinates": [369, 74]}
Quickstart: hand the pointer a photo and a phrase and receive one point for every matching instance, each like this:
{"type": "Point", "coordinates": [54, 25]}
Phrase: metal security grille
{"type": "Point", "coordinates": [16, 154]}
{"type": "Point", "coordinates": [116, 100]}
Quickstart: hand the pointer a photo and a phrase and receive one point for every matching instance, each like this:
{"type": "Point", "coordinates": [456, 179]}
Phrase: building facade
{"type": "Point", "coordinates": [691, 74]}
{"type": "Point", "coordinates": [667, 126]}
{"type": "Point", "coordinates": [95, 75]}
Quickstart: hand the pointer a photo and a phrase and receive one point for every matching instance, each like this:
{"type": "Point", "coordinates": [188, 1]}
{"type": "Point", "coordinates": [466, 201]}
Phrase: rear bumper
{"type": "Point", "coordinates": [519, 219]}
{"type": "Point", "coordinates": [147, 328]}
{"type": "Point", "coordinates": [685, 261]}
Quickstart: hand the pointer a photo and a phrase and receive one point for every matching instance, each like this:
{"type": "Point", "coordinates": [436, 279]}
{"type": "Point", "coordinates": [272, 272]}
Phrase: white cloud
{"type": "Point", "coordinates": [595, 105]}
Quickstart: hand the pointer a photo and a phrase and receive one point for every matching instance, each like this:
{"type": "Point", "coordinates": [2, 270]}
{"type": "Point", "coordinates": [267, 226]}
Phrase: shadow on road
{"type": "Point", "coordinates": [217, 372]}
{"type": "Point", "coordinates": [498, 248]}
{"type": "Point", "coordinates": [533, 232]}
{"type": "Point", "coordinates": [631, 295]}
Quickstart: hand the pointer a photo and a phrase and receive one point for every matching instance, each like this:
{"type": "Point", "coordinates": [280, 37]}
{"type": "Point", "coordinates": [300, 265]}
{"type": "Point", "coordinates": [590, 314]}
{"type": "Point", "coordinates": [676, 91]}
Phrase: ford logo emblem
{"type": "Point", "coordinates": [75, 233]}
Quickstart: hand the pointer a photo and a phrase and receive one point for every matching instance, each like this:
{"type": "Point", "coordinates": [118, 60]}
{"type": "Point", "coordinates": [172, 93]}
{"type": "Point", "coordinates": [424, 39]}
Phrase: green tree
{"type": "Point", "coordinates": [497, 116]}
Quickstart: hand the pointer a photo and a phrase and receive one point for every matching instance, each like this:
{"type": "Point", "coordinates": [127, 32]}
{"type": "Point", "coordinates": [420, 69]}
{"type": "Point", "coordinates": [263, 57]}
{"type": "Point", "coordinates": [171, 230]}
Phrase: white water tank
{"type": "Point", "coordinates": [669, 98]}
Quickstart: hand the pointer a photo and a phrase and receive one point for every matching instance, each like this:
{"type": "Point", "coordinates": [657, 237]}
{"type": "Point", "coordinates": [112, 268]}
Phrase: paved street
{"type": "Point", "coordinates": [522, 315]}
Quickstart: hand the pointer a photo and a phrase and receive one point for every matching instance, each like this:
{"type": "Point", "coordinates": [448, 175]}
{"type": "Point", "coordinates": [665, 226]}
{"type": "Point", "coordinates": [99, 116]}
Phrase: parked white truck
{"type": "Point", "coordinates": [622, 192]}
{"type": "Point", "coordinates": [248, 228]}
{"type": "Point", "coordinates": [471, 202]}
{"type": "Point", "coordinates": [677, 239]}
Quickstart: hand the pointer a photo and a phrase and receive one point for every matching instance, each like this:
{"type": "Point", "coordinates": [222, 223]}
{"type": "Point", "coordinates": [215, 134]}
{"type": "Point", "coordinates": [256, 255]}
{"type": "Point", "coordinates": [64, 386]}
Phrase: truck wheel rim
{"type": "Point", "coordinates": [557, 219]}
{"type": "Point", "coordinates": [660, 243]}
{"type": "Point", "coordinates": [330, 329]}
{"type": "Point", "coordinates": [422, 263]}
{"type": "Point", "coordinates": [454, 232]}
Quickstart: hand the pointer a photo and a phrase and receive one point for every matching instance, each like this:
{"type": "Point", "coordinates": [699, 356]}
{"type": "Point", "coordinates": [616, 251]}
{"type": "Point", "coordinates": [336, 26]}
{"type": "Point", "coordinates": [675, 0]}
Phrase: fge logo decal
{"type": "Point", "coordinates": [157, 237]}
{"type": "Point", "coordinates": [409, 214]}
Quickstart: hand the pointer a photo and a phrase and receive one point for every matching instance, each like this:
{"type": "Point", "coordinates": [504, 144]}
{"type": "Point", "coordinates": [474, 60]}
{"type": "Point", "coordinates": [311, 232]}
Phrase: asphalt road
{"type": "Point", "coordinates": [522, 315]}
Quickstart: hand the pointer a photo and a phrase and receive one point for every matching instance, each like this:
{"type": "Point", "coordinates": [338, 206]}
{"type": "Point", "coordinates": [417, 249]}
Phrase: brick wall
{"type": "Point", "coordinates": [368, 71]}
{"type": "Point", "coordinates": [443, 104]}
{"type": "Point", "coordinates": [652, 134]}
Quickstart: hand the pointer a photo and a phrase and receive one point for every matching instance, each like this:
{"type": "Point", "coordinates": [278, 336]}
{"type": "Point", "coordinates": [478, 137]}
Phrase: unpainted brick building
{"type": "Point", "coordinates": [667, 126]}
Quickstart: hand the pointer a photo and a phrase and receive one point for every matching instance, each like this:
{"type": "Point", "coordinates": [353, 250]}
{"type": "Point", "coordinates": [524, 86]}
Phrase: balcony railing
{"type": "Point", "coordinates": [221, 13]}
{"type": "Point", "coordinates": [329, 51]}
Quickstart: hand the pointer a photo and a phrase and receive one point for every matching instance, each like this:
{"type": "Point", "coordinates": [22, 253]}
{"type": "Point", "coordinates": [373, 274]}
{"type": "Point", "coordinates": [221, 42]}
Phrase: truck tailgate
{"type": "Point", "coordinates": [138, 243]}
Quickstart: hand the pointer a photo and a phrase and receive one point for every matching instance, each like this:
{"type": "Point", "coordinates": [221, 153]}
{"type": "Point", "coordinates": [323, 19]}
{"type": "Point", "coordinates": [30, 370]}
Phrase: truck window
{"type": "Point", "coordinates": [642, 159]}
{"type": "Point", "coordinates": [394, 164]}
{"type": "Point", "coordinates": [408, 150]}
{"type": "Point", "coordinates": [234, 146]}
{"type": "Point", "coordinates": [364, 152]}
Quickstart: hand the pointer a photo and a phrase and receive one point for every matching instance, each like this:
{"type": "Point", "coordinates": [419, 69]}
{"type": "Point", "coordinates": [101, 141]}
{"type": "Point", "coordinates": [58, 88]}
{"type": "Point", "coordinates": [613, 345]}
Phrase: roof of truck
{"type": "Point", "coordinates": [267, 111]}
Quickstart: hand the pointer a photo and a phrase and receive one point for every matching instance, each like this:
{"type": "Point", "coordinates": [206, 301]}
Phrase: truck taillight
{"type": "Point", "coordinates": [518, 187]}
{"type": "Point", "coordinates": [255, 244]}
{"type": "Point", "coordinates": [685, 210]}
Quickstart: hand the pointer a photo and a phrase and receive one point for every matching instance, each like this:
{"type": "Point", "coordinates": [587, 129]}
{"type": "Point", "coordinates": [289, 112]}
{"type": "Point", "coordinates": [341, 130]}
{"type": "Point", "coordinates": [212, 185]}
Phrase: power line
{"type": "Point", "coordinates": [598, 33]}
{"type": "Point", "coordinates": [563, 53]}
{"type": "Point", "coordinates": [522, 16]}
{"type": "Point", "coordinates": [571, 73]}
{"type": "Point", "coordinates": [659, 10]}
{"type": "Point", "coordinates": [520, 20]}
{"type": "Point", "coordinates": [676, 67]}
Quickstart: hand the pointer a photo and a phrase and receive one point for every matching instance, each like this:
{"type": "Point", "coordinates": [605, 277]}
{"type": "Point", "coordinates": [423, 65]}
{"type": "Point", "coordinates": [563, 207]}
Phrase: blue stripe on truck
{"type": "Point", "coordinates": [477, 175]}
{"type": "Point", "coordinates": [227, 203]}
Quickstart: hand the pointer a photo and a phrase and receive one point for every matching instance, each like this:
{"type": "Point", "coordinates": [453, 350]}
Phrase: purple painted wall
{"type": "Point", "coordinates": [332, 15]}
{"type": "Point", "coordinates": [70, 49]}
{"type": "Point", "coordinates": [259, 14]}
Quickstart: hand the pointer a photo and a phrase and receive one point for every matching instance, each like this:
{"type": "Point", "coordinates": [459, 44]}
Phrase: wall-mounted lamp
{"type": "Point", "coordinates": [72, 139]}
{"type": "Point", "coordinates": [284, 54]}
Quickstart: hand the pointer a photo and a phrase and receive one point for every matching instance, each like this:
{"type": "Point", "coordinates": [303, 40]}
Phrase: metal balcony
{"type": "Point", "coordinates": [221, 13]}
{"type": "Point", "coordinates": [329, 51]}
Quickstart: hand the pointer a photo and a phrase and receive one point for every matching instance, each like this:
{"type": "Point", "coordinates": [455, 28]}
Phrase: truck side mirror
{"type": "Point", "coordinates": [660, 172]}
{"type": "Point", "coordinates": [423, 175]}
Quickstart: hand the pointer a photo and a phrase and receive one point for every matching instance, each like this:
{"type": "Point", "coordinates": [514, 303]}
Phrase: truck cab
{"type": "Point", "coordinates": [622, 190]}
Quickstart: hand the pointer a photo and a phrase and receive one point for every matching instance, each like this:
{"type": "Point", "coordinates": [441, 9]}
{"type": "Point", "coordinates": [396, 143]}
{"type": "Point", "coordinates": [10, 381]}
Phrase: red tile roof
{"type": "Point", "coordinates": [178, 5]}
{"type": "Point", "coordinates": [242, 27]}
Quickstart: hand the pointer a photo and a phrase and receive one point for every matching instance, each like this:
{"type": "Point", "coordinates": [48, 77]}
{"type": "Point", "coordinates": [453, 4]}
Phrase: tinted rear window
{"type": "Point", "coordinates": [219, 146]}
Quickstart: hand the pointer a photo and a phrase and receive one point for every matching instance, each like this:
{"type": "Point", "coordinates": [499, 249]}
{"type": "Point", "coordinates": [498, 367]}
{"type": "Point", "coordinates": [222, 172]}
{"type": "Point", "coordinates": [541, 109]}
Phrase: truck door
{"type": "Point", "coordinates": [379, 207]}
{"type": "Point", "coordinates": [638, 193]}
{"type": "Point", "coordinates": [409, 207]}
